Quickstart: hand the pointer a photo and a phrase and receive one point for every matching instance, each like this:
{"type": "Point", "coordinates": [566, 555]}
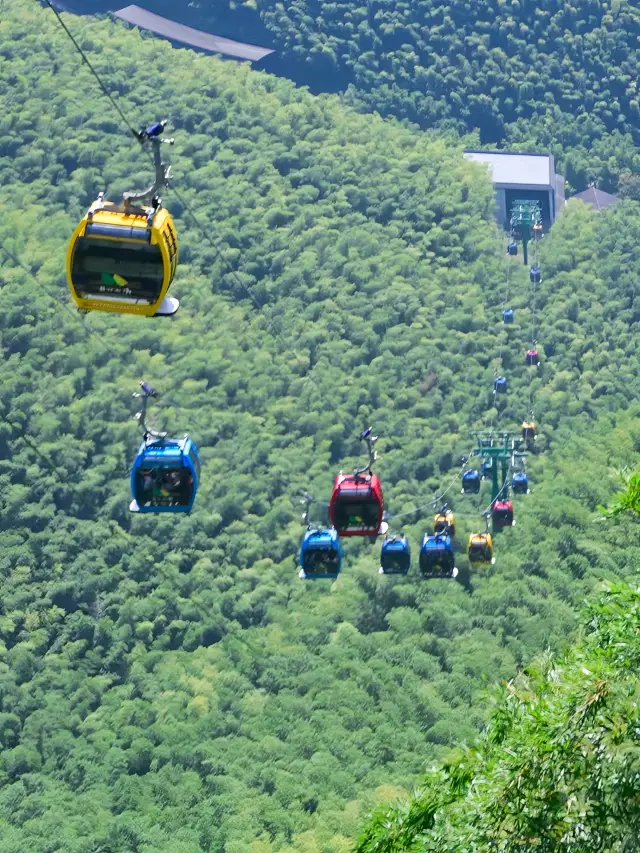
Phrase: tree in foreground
{"type": "Point", "coordinates": [558, 768]}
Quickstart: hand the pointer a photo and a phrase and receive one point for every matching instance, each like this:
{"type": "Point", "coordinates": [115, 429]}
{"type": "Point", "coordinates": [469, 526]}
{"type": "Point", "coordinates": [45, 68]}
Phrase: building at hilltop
{"type": "Point", "coordinates": [596, 198]}
{"type": "Point", "coordinates": [176, 32]}
{"type": "Point", "coordinates": [522, 176]}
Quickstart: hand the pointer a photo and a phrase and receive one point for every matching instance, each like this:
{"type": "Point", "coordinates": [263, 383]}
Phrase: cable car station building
{"type": "Point", "coordinates": [522, 176]}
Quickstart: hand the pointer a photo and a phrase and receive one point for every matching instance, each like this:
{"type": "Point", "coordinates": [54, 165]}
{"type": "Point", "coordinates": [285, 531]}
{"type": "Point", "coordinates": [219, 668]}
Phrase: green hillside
{"type": "Point", "coordinates": [551, 75]}
{"type": "Point", "coordinates": [562, 76]}
{"type": "Point", "coordinates": [168, 684]}
{"type": "Point", "coordinates": [557, 769]}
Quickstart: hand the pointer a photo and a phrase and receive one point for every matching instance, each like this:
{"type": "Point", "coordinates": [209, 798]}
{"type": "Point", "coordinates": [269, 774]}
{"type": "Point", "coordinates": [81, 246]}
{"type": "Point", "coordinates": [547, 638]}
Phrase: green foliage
{"type": "Point", "coordinates": [167, 684]}
{"type": "Point", "coordinates": [629, 186]}
{"type": "Point", "coordinates": [558, 767]}
{"type": "Point", "coordinates": [558, 76]}
{"type": "Point", "coordinates": [627, 500]}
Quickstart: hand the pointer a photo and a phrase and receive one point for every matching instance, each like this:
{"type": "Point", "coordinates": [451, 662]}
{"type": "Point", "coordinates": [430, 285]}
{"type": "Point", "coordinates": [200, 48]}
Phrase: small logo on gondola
{"type": "Point", "coordinates": [113, 279]}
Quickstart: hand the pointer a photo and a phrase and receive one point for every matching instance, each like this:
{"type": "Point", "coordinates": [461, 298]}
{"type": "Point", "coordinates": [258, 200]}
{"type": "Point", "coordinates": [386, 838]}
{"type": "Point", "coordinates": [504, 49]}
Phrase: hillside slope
{"type": "Point", "coordinates": [170, 685]}
{"type": "Point", "coordinates": [557, 769]}
{"type": "Point", "coordinates": [552, 75]}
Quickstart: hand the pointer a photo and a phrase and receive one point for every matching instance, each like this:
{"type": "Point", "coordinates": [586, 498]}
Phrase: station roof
{"type": "Point", "coordinates": [188, 35]}
{"type": "Point", "coordinates": [596, 198]}
{"type": "Point", "coordinates": [518, 170]}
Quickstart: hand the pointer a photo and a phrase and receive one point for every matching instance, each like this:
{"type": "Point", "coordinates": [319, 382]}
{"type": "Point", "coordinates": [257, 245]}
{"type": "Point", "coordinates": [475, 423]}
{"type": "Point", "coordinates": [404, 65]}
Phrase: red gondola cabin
{"type": "Point", "coordinates": [356, 505]}
{"type": "Point", "coordinates": [502, 514]}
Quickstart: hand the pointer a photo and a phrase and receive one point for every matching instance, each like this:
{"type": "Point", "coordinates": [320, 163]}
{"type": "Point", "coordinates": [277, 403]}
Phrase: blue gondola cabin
{"type": "Point", "coordinates": [437, 559]}
{"type": "Point", "coordinates": [320, 554]}
{"type": "Point", "coordinates": [395, 556]}
{"type": "Point", "coordinates": [165, 475]}
{"type": "Point", "coordinates": [520, 483]}
{"type": "Point", "coordinates": [471, 482]}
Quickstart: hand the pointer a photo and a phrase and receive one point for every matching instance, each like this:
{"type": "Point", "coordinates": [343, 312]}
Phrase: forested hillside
{"type": "Point", "coordinates": [557, 769]}
{"type": "Point", "coordinates": [168, 684]}
{"type": "Point", "coordinates": [550, 75]}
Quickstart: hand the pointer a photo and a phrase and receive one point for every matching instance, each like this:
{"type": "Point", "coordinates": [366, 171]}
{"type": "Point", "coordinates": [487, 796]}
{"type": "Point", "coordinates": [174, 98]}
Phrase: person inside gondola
{"type": "Point", "coordinates": [320, 562]}
{"type": "Point", "coordinates": [176, 486]}
{"type": "Point", "coordinates": [396, 561]}
{"type": "Point", "coordinates": [149, 486]}
{"type": "Point", "coordinates": [362, 514]}
{"type": "Point", "coordinates": [331, 560]}
{"type": "Point", "coordinates": [486, 553]}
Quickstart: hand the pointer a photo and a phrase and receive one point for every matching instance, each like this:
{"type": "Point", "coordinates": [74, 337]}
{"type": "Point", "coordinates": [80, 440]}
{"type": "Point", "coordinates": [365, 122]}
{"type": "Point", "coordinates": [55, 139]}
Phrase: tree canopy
{"type": "Point", "coordinates": [551, 75]}
{"type": "Point", "coordinates": [168, 684]}
{"type": "Point", "coordinates": [557, 768]}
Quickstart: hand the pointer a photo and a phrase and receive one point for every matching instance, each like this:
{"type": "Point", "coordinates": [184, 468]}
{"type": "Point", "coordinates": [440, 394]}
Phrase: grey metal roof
{"type": "Point", "coordinates": [197, 38]}
{"type": "Point", "coordinates": [513, 169]}
{"type": "Point", "coordinates": [596, 198]}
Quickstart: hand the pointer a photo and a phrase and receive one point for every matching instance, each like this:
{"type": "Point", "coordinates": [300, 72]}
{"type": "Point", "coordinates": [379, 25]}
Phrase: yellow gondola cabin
{"type": "Point", "coordinates": [480, 549]}
{"type": "Point", "coordinates": [122, 257]}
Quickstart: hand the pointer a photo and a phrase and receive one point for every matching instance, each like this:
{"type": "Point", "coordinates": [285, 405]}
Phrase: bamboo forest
{"type": "Point", "coordinates": [397, 609]}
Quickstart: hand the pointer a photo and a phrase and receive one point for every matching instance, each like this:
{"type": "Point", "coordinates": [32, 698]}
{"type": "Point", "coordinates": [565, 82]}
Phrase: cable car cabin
{"type": "Point", "coordinates": [507, 316]}
{"type": "Point", "coordinates": [480, 549]}
{"type": "Point", "coordinates": [537, 231]}
{"type": "Point", "coordinates": [395, 556]}
{"type": "Point", "coordinates": [512, 248]}
{"type": "Point", "coordinates": [535, 275]}
{"type": "Point", "coordinates": [502, 514]}
{"type": "Point", "coordinates": [487, 469]}
{"type": "Point", "coordinates": [165, 475]}
{"type": "Point", "coordinates": [470, 483]}
{"type": "Point", "coordinates": [528, 431]}
{"type": "Point", "coordinates": [445, 522]}
{"type": "Point", "coordinates": [437, 559]}
{"type": "Point", "coordinates": [356, 505]}
{"type": "Point", "coordinates": [533, 357]}
{"type": "Point", "coordinates": [320, 554]}
{"type": "Point", "coordinates": [123, 258]}
{"type": "Point", "coordinates": [500, 385]}
{"type": "Point", "coordinates": [520, 483]}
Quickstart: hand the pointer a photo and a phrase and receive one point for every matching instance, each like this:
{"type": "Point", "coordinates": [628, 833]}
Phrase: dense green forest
{"type": "Point", "coordinates": [168, 684]}
{"type": "Point", "coordinates": [551, 75]}
{"type": "Point", "coordinates": [557, 768]}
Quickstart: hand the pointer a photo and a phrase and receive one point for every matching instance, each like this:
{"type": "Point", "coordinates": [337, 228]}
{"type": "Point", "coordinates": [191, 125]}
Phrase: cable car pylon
{"type": "Point", "coordinates": [526, 222]}
{"type": "Point", "coordinates": [504, 451]}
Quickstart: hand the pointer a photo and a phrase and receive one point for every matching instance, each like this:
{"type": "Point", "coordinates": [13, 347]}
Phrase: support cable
{"type": "Point", "coordinates": [198, 224]}
{"type": "Point", "coordinates": [437, 498]}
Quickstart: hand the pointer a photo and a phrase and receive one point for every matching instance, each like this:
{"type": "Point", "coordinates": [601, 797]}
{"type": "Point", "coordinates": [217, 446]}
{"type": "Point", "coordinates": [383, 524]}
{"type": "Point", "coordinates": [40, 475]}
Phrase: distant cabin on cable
{"type": "Point", "coordinates": [522, 176]}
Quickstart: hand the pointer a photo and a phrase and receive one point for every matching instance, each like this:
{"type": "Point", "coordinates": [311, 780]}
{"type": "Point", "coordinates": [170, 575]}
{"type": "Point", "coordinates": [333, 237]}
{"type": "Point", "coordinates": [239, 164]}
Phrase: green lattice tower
{"type": "Point", "coordinates": [503, 448]}
{"type": "Point", "coordinates": [525, 213]}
